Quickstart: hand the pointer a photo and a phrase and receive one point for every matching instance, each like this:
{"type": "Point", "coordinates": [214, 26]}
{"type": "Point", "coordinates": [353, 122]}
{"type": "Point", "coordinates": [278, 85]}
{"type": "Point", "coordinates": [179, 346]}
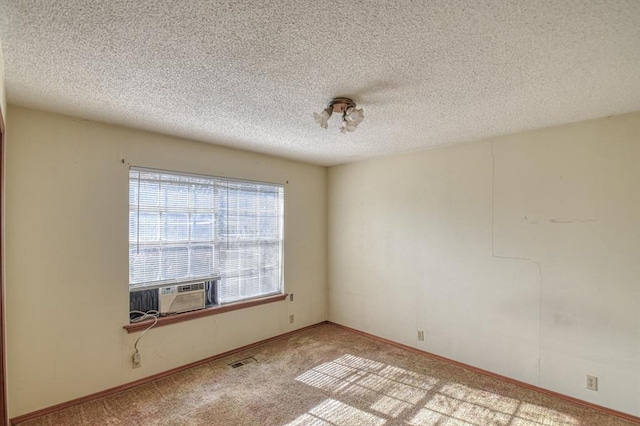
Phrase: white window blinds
{"type": "Point", "coordinates": [186, 227]}
{"type": "Point", "coordinates": [250, 240]}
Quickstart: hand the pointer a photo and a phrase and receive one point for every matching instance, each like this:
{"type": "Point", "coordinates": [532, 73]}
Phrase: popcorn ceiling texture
{"type": "Point", "coordinates": [249, 74]}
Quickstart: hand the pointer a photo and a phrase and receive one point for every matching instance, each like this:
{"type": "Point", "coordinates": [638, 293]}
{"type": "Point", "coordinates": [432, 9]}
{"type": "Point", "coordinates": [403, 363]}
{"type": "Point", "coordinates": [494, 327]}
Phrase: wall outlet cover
{"type": "Point", "coordinates": [137, 361]}
{"type": "Point", "coordinates": [592, 383]}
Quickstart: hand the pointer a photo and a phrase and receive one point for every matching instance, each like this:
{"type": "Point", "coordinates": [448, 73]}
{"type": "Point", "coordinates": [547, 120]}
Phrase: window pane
{"type": "Point", "coordinates": [149, 195]}
{"type": "Point", "coordinates": [175, 197]}
{"type": "Point", "coordinates": [175, 263]}
{"type": "Point", "coordinates": [149, 226]}
{"type": "Point", "coordinates": [202, 260]}
{"type": "Point", "coordinates": [270, 227]}
{"type": "Point", "coordinates": [250, 285]}
{"type": "Point", "coordinates": [270, 255]}
{"type": "Point", "coordinates": [270, 280]}
{"type": "Point", "coordinates": [144, 264]}
{"type": "Point", "coordinates": [175, 227]}
{"type": "Point", "coordinates": [202, 227]}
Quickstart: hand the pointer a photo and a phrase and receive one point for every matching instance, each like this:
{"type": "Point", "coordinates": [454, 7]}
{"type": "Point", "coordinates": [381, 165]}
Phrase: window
{"type": "Point", "coordinates": [184, 228]}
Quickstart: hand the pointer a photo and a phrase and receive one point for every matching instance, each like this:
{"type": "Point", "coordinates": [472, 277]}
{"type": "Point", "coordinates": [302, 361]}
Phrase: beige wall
{"type": "Point", "coordinates": [3, 100]}
{"type": "Point", "coordinates": [67, 262]}
{"type": "Point", "coordinates": [519, 255]}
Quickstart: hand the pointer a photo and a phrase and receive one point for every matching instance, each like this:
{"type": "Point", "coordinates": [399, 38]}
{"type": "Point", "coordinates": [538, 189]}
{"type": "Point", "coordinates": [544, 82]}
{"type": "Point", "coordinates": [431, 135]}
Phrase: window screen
{"type": "Point", "coordinates": [187, 227]}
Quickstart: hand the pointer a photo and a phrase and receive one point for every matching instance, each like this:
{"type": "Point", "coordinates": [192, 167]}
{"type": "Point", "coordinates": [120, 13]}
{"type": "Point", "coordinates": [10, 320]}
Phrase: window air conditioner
{"type": "Point", "coordinates": [181, 298]}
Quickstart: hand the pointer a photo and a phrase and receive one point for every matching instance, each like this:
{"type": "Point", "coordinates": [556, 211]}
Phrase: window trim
{"type": "Point", "coordinates": [201, 313]}
{"type": "Point", "coordinates": [239, 304]}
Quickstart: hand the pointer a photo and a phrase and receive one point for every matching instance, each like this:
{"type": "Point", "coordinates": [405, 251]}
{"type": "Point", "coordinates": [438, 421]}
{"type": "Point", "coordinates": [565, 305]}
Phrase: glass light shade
{"type": "Point", "coordinates": [348, 127]}
{"type": "Point", "coordinates": [323, 117]}
{"type": "Point", "coordinates": [354, 116]}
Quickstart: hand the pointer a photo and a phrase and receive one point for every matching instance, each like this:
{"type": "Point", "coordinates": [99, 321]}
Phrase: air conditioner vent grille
{"type": "Point", "coordinates": [190, 287]}
{"type": "Point", "coordinates": [242, 362]}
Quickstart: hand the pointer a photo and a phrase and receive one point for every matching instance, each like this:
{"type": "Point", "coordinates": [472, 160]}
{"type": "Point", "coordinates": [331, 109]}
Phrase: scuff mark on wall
{"type": "Point", "coordinates": [559, 221]}
{"type": "Point", "coordinates": [572, 220]}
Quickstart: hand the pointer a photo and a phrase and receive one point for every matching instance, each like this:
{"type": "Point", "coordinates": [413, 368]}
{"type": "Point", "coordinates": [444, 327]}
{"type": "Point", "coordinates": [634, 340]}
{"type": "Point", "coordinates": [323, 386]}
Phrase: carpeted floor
{"type": "Point", "coordinates": [327, 375]}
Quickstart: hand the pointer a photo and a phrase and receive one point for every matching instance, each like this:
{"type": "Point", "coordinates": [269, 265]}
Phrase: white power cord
{"type": "Point", "coordinates": [143, 316]}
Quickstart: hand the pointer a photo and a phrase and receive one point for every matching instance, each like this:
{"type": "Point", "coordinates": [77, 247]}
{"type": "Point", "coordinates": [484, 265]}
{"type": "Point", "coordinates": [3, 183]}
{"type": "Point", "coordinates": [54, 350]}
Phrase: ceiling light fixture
{"type": "Point", "coordinates": [351, 116]}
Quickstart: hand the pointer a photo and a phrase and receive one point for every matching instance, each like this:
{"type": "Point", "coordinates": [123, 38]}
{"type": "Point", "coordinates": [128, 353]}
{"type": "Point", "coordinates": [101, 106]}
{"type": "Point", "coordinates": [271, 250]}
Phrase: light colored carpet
{"type": "Point", "coordinates": [327, 375]}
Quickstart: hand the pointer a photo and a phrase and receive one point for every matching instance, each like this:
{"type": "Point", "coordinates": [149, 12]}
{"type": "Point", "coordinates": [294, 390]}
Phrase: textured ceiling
{"type": "Point", "coordinates": [249, 74]}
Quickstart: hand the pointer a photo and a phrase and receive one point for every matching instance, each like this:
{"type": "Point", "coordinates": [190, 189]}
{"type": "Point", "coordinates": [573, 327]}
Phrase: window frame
{"type": "Point", "coordinates": [219, 183]}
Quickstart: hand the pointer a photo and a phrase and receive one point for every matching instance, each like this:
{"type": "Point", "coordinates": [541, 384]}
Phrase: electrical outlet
{"type": "Point", "coordinates": [291, 297]}
{"type": "Point", "coordinates": [592, 383]}
{"type": "Point", "coordinates": [137, 362]}
{"type": "Point", "coordinates": [421, 335]}
{"type": "Point", "coordinates": [291, 319]}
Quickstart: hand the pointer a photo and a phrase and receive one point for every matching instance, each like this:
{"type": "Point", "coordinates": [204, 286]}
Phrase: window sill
{"type": "Point", "coordinates": [187, 316]}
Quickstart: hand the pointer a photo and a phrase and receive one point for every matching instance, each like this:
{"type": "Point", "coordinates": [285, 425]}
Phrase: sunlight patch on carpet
{"type": "Point", "coordinates": [544, 416]}
{"type": "Point", "coordinates": [455, 403]}
{"type": "Point", "coordinates": [386, 389]}
{"type": "Point", "coordinates": [363, 387]}
{"type": "Point", "coordinates": [332, 412]}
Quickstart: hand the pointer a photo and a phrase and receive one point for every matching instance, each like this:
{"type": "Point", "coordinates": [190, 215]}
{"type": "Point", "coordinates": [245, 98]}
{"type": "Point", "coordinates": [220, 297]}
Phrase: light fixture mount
{"type": "Point", "coordinates": [341, 104]}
